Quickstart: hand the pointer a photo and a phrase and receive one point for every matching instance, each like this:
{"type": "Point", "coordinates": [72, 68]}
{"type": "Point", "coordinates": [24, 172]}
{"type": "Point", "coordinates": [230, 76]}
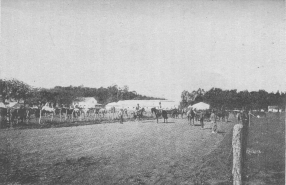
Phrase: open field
{"type": "Point", "coordinates": [265, 163]}
{"type": "Point", "coordinates": [131, 153]}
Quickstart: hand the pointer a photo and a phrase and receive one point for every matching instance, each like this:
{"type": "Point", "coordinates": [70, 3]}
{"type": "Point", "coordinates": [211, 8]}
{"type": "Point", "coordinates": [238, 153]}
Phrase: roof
{"type": "Point", "coordinates": [200, 106]}
{"type": "Point", "coordinates": [84, 99]}
{"type": "Point", "coordinates": [144, 103]}
{"type": "Point", "coordinates": [13, 105]}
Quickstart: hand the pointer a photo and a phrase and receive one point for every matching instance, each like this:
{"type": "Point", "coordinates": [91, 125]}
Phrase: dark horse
{"type": "Point", "coordinates": [159, 113]}
{"type": "Point", "coordinates": [191, 116]}
{"type": "Point", "coordinates": [223, 115]}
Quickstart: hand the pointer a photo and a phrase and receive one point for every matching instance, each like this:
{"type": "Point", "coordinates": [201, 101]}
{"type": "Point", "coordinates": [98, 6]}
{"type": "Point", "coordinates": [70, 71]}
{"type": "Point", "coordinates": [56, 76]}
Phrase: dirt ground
{"type": "Point", "coordinates": [131, 153]}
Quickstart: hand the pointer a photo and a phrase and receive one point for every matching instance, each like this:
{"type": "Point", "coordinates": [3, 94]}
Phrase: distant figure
{"type": "Point", "coordinates": [191, 116]}
{"type": "Point", "coordinates": [137, 107]}
{"type": "Point", "coordinates": [213, 121]}
{"type": "Point", "coordinates": [120, 114]}
{"type": "Point", "coordinates": [201, 118]}
{"type": "Point", "coordinates": [238, 116]}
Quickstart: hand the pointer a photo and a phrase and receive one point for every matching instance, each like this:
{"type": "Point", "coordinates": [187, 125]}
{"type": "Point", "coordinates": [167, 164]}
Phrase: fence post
{"type": "Point", "coordinates": [40, 116]}
{"type": "Point", "coordinates": [236, 146]}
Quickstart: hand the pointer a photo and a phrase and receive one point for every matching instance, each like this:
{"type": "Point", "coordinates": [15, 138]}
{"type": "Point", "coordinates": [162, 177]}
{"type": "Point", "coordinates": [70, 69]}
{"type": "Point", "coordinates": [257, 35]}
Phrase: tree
{"type": "Point", "coordinates": [13, 89]}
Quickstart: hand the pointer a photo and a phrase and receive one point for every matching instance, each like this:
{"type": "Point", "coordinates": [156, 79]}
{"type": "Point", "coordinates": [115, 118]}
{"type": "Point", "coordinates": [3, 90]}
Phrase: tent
{"type": "Point", "coordinates": [14, 105]}
{"type": "Point", "coordinates": [200, 106]}
{"type": "Point", "coordinates": [2, 105]}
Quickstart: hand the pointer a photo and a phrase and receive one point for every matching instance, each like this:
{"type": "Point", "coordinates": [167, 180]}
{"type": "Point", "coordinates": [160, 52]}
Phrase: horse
{"type": "Point", "coordinates": [102, 112]}
{"type": "Point", "coordinates": [70, 113]}
{"type": "Point", "coordinates": [139, 113]}
{"type": "Point", "coordinates": [223, 115]}
{"type": "Point", "coordinates": [191, 116]}
{"type": "Point", "coordinates": [18, 114]}
{"type": "Point", "coordinates": [175, 113]}
{"type": "Point", "coordinates": [48, 110]}
{"type": "Point", "coordinates": [159, 113]}
{"type": "Point", "coordinates": [33, 111]}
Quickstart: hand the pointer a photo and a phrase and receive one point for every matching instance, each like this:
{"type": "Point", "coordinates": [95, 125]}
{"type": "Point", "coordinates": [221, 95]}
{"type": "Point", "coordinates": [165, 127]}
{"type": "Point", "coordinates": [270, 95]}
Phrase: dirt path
{"type": "Point", "coordinates": [130, 153]}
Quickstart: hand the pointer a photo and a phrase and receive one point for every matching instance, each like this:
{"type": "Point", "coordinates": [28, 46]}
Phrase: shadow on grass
{"type": "Point", "coordinates": [11, 168]}
{"type": "Point", "coordinates": [14, 171]}
{"type": "Point", "coordinates": [221, 132]}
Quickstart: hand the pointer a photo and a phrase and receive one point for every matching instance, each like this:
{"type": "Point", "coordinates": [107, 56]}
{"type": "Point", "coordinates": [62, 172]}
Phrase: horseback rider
{"type": "Point", "coordinates": [160, 107]}
{"type": "Point", "coordinates": [137, 108]}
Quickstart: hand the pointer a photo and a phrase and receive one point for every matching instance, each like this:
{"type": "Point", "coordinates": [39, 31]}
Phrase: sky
{"type": "Point", "coordinates": [157, 48]}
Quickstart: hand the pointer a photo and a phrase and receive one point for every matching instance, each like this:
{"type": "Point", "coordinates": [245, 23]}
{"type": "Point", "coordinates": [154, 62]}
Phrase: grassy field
{"type": "Point", "coordinates": [131, 153]}
{"type": "Point", "coordinates": [265, 163]}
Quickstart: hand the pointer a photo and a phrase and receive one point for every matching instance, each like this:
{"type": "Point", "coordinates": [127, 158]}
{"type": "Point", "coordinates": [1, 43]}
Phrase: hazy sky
{"type": "Point", "coordinates": [158, 48]}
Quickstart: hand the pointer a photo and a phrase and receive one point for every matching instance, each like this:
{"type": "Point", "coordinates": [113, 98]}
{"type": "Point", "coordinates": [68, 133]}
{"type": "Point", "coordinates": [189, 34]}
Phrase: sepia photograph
{"type": "Point", "coordinates": [142, 92]}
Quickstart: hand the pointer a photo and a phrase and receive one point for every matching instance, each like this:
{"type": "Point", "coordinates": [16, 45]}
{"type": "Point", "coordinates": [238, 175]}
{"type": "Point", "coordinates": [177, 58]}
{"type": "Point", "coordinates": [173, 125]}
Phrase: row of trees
{"type": "Point", "coordinates": [232, 99]}
{"type": "Point", "coordinates": [14, 89]}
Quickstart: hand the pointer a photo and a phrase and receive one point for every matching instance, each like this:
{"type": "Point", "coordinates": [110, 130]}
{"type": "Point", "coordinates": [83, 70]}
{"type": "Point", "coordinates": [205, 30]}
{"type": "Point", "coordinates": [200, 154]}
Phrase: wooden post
{"type": "Point", "coordinates": [236, 146]}
{"type": "Point", "coordinates": [60, 115]}
{"type": "Point", "coordinates": [249, 113]}
{"type": "Point", "coordinates": [10, 119]}
{"type": "Point", "coordinates": [40, 116]}
{"type": "Point", "coordinates": [95, 114]}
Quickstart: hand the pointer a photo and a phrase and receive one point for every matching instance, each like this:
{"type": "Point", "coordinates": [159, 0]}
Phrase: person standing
{"type": "Point", "coordinates": [213, 121]}
{"type": "Point", "coordinates": [121, 112]}
{"type": "Point", "coordinates": [202, 119]}
{"type": "Point", "coordinates": [137, 107]}
{"type": "Point", "coordinates": [137, 112]}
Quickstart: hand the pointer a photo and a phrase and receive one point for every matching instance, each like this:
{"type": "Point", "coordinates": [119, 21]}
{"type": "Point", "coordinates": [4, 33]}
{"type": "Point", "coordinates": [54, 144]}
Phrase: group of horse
{"type": "Point", "coordinates": [193, 115]}
{"type": "Point", "coordinates": [22, 114]}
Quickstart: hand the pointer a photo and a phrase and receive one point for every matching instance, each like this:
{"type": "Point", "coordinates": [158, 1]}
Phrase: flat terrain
{"type": "Point", "coordinates": [131, 153]}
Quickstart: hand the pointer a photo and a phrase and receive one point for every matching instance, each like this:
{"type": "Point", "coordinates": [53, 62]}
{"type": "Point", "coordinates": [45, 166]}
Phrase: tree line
{"type": "Point", "coordinates": [233, 99]}
{"type": "Point", "coordinates": [13, 89]}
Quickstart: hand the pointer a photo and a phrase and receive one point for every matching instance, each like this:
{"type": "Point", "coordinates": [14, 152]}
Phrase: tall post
{"type": "Point", "coordinates": [237, 151]}
{"type": "Point", "coordinates": [60, 115]}
{"type": "Point", "coordinates": [40, 116]}
{"type": "Point", "coordinates": [249, 113]}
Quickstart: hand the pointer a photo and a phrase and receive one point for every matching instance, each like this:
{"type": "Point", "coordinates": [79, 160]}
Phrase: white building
{"type": "Point", "coordinates": [147, 104]}
{"type": "Point", "coordinates": [273, 108]}
{"type": "Point", "coordinates": [86, 102]}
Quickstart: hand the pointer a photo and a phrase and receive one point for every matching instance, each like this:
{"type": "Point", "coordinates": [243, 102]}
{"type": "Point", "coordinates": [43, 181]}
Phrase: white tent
{"type": "Point", "coordinates": [200, 106]}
